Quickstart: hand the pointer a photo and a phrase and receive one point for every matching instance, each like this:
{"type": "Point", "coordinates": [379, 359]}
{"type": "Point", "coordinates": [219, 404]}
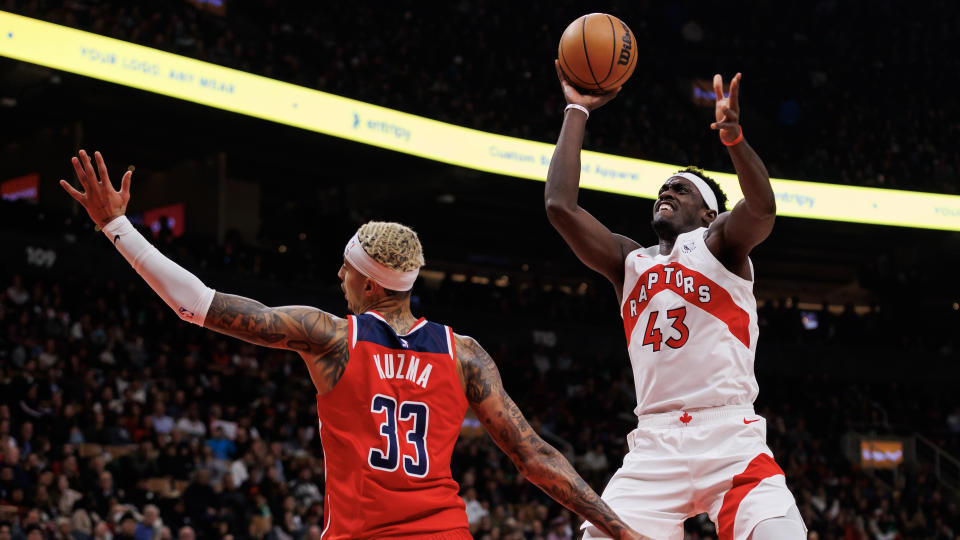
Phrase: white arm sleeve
{"type": "Point", "coordinates": [181, 290]}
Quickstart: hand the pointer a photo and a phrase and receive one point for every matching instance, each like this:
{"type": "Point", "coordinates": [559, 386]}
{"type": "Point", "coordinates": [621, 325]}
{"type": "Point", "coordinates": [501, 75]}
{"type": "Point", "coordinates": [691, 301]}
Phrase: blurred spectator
{"type": "Point", "coordinates": [127, 527]}
{"type": "Point", "coordinates": [150, 525]}
{"type": "Point", "coordinates": [222, 447]}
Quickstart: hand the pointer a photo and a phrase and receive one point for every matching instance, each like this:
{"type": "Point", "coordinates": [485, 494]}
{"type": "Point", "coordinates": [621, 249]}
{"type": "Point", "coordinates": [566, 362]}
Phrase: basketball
{"type": "Point", "coordinates": [597, 52]}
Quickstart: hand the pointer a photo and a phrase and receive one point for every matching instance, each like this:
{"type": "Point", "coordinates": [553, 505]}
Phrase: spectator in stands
{"type": "Point", "coordinates": [127, 527]}
{"type": "Point", "coordinates": [150, 525]}
{"type": "Point", "coordinates": [222, 447]}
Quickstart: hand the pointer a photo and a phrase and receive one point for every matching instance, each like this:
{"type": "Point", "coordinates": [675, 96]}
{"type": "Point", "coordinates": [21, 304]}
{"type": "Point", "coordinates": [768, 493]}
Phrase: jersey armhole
{"type": "Point", "coordinates": [702, 240]}
{"type": "Point", "coordinates": [451, 344]}
{"type": "Point", "coordinates": [352, 331]}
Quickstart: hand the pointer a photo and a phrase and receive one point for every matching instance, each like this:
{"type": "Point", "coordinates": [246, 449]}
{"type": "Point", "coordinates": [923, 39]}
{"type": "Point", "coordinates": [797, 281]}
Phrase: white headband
{"type": "Point", "coordinates": [708, 196]}
{"type": "Point", "coordinates": [388, 278]}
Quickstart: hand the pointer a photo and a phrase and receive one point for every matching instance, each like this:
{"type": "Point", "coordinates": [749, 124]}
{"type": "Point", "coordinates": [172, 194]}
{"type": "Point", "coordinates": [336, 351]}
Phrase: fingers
{"type": "Point", "coordinates": [77, 196]}
{"type": "Point", "coordinates": [718, 86]}
{"type": "Point", "coordinates": [724, 125]}
{"type": "Point", "coordinates": [125, 182]}
{"type": "Point", "coordinates": [81, 175]}
{"type": "Point", "coordinates": [564, 81]}
{"type": "Point", "coordinates": [730, 115]}
{"type": "Point", "coordinates": [102, 168]}
{"type": "Point", "coordinates": [735, 91]}
{"type": "Point", "coordinates": [88, 167]}
{"type": "Point", "coordinates": [565, 85]}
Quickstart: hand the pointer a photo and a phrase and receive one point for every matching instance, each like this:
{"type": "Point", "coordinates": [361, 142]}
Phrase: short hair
{"type": "Point", "coordinates": [391, 244]}
{"type": "Point", "coordinates": [714, 186]}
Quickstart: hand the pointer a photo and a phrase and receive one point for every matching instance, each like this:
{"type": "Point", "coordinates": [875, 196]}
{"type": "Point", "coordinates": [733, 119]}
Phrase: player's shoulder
{"type": "Point", "coordinates": [465, 344]}
{"type": "Point", "coordinates": [477, 368]}
{"type": "Point", "coordinates": [717, 225]}
{"type": "Point", "coordinates": [469, 352]}
{"type": "Point", "coordinates": [627, 245]}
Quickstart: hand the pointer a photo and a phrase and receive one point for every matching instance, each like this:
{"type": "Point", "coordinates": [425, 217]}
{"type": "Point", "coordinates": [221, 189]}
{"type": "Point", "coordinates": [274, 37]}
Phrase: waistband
{"type": "Point", "coordinates": [693, 417]}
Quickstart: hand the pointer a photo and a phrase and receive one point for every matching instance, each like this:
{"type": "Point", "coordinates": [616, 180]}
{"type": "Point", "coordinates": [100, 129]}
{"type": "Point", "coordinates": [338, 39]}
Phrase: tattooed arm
{"type": "Point", "coordinates": [320, 338]}
{"type": "Point", "coordinates": [541, 463]}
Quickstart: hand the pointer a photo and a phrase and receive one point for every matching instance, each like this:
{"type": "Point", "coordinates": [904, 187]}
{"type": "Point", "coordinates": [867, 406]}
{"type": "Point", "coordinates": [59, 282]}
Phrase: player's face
{"type": "Point", "coordinates": [679, 207]}
{"type": "Point", "coordinates": [352, 283]}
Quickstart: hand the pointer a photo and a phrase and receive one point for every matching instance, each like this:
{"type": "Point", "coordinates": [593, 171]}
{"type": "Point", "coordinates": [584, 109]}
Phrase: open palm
{"type": "Point", "coordinates": [99, 199]}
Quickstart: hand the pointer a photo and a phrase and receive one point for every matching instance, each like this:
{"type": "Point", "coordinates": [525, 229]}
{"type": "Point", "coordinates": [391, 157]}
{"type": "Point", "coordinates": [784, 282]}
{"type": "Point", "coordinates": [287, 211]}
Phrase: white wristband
{"type": "Point", "coordinates": [585, 110]}
{"type": "Point", "coordinates": [180, 289]}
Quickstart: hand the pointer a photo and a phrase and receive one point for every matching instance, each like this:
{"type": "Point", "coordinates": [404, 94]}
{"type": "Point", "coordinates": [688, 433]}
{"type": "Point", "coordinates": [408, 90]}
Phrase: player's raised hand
{"type": "Point", "coordinates": [99, 199]}
{"type": "Point", "coordinates": [727, 109]}
{"type": "Point", "coordinates": [572, 95]}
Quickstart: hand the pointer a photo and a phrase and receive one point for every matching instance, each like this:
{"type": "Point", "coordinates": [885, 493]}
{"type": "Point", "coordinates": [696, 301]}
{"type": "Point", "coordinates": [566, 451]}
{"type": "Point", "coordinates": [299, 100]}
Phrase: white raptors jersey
{"type": "Point", "coordinates": [691, 328]}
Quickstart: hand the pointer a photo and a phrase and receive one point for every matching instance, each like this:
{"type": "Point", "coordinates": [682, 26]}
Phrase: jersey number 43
{"type": "Point", "coordinates": [653, 336]}
{"type": "Point", "coordinates": [389, 459]}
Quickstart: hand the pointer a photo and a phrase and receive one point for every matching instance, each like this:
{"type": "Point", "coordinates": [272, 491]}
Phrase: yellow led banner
{"type": "Point", "coordinates": [148, 69]}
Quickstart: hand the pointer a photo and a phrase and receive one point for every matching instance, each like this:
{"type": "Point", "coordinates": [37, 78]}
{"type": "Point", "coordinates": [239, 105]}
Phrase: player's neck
{"type": "Point", "coordinates": [396, 312]}
{"type": "Point", "coordinates": [666, 234]}
{"type": "Point", "coordinates": [666, 244]}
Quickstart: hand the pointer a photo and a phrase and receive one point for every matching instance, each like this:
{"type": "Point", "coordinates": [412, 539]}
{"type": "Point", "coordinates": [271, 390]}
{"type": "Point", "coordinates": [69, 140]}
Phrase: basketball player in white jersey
{"type": "Point", "coordinates": [691, 325]}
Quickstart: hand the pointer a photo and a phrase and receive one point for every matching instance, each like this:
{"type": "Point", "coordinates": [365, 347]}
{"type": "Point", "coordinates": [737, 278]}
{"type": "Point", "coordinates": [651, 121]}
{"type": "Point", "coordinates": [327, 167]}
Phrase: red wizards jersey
{"type": "Point", "coordinates": [388, 429]}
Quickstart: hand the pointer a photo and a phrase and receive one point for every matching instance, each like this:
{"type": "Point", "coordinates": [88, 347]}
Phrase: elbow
{"type": "Point", "coordinates": [558, 210]}
{"type": "Point", "coordinates": [769, 211]}
{"type": "Point", "coordinates": [533, 462]}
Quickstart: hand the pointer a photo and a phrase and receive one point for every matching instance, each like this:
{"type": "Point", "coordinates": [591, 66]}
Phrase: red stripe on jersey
{"type": "Point", "coordinates": [762, 466]}
{"type": "Point", "coordinates": [720, 304]}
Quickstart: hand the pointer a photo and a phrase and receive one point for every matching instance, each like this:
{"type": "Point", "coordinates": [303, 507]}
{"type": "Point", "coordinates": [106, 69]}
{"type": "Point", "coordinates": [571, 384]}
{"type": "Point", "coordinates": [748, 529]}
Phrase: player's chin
{"type": "Point", "coordinates": [660, 220]}
{"type": "Point", "coordinates": [665, 223]}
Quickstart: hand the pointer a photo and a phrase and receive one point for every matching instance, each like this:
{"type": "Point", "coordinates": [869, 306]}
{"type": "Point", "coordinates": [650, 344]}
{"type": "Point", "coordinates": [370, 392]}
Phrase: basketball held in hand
{"type": "Point", "coordinates": [597, 53]}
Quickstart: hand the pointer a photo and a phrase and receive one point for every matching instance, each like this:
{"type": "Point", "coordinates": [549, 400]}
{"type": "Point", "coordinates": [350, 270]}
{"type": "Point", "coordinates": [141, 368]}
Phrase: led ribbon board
{"type": "Point", "coordinates": [148, 69]}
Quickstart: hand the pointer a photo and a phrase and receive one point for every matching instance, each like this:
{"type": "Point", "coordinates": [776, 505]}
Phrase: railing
{"type": "Point", "coordinates": [945, 467]}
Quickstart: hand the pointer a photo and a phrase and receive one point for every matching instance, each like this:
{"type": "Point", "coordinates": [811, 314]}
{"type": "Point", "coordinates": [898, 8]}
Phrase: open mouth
{"type": "Point", "coordinates": [668, 205]}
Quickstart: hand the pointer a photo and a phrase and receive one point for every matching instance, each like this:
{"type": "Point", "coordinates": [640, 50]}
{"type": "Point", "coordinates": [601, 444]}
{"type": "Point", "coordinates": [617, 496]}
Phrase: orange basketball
{"type": "Point", "coordinates": [597, 52]}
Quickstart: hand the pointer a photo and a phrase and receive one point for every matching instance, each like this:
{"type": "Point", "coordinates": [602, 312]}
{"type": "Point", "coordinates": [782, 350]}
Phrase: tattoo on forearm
{"type": "Point", "coordinates": [306, 330]}
{"type": "Point", "coordinates": [540, 462]}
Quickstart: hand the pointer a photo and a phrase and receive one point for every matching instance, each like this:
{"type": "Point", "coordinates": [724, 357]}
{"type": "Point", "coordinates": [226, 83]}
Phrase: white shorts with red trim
{"type": "Point", "coordinates": [681, 464]}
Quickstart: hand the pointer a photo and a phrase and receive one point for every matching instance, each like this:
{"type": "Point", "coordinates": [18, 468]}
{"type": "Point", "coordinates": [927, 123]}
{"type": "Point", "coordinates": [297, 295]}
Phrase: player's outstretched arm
{"type": "Point", "coordinates": [751, 220]}
{"type": "Point", "coordinates": [320, 338]}
{"type": "Point", "coordinates": [540, 462]}
{"type": "Point", "coordinates": [592, 242]}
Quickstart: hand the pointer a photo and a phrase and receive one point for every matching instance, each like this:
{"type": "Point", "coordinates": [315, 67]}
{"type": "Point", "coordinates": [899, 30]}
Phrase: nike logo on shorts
{"type": "Point", "coordinates": [745, 421]}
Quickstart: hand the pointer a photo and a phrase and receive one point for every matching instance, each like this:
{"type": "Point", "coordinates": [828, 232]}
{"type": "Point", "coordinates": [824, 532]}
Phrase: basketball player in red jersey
{"type": "Point", "coordinates": [392, 390]}
{"type": "Point", "coordinates": [690, 319]}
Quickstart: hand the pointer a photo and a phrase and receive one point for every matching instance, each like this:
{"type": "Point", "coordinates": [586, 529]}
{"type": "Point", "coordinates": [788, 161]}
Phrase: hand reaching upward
{"type": "Point", "coordinates": [99, 199]}
{"type": "Point", "coordinates": [590, 101]}
{"type": "Point", "coordinates": [727, 109]}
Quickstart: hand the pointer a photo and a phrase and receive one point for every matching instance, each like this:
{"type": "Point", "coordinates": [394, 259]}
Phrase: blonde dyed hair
{"type": "Point", "coordinates": [391, 244]}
